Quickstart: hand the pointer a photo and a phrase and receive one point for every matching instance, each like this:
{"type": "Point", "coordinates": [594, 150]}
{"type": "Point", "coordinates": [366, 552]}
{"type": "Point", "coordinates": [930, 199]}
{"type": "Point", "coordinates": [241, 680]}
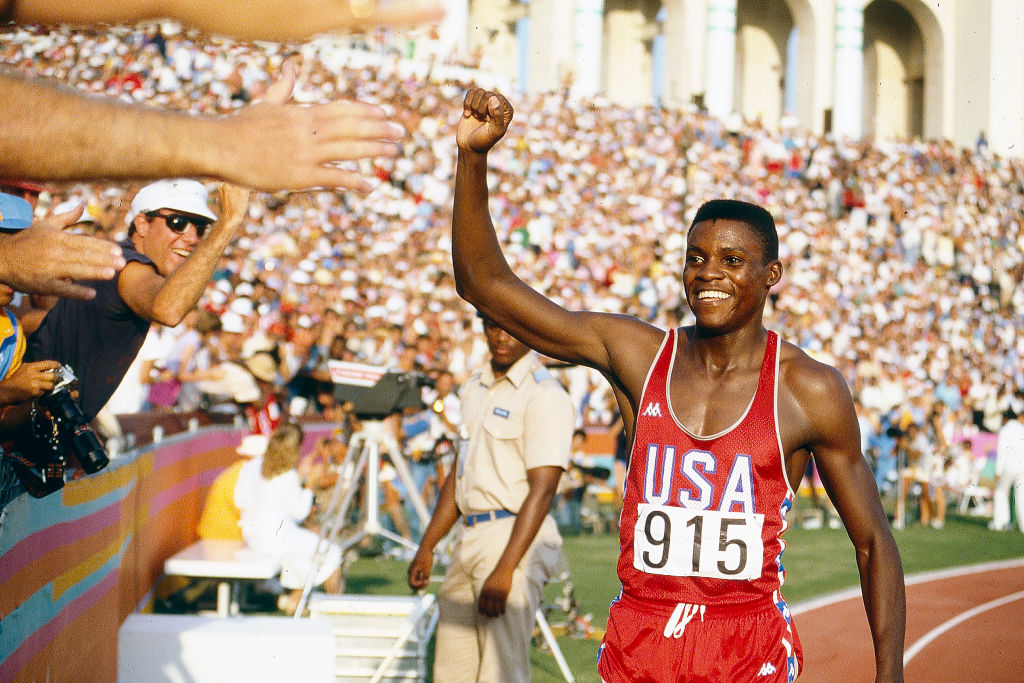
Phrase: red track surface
{"type": "Point", "coordinates": [962, 625]}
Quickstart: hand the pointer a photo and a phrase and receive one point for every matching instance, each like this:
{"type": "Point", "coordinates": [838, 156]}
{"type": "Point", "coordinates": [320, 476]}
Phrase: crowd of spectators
{"type": "Point", "coordinates": [903, 259]}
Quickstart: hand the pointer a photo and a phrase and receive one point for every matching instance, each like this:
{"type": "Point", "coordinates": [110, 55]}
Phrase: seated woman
{"type": "Point", "coordinates": [273, 504]}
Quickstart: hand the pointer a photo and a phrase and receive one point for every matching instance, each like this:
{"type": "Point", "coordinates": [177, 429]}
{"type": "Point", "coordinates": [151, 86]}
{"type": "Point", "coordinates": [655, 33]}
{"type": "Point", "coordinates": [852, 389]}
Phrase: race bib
{"type": "Point", "coordinates": [677, 541]}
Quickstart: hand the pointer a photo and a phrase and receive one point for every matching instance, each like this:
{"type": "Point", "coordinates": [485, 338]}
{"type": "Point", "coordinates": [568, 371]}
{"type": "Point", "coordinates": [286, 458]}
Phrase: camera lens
{"type": "Point", "coordinates": [88, 450]}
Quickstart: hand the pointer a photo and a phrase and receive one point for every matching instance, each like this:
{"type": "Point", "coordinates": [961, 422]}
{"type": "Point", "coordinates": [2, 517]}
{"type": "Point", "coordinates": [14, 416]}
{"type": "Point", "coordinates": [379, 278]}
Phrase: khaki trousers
{"type": "Point", "coordinates": [472, 648]}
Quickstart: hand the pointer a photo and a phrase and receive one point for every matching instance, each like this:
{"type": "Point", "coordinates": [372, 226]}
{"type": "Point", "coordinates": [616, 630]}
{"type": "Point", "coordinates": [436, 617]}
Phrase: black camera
{"type": "Point", "coordinates": [393, 392]}
{"type": "Point", "coordinates": [69, 429]}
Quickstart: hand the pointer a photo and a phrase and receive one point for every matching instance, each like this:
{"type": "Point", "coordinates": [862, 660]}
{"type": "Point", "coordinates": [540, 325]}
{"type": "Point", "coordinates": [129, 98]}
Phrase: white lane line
{"type": "Point", "coordinates": [927, 638]}
{"type": "Point", "coordinates": [914, 579]}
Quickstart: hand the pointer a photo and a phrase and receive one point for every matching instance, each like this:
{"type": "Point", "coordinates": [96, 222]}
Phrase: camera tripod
{"type": "Point", "coordinates": [362, 465]}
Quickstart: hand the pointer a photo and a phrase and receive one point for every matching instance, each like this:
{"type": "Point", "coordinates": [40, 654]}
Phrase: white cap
{"type": "Point", "coordinates": [180, 194]}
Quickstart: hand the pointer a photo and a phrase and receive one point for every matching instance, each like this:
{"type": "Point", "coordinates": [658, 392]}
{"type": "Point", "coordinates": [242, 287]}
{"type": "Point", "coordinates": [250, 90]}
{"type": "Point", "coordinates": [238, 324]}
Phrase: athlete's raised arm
{"type": "Point", "coordinates": [614, 344]}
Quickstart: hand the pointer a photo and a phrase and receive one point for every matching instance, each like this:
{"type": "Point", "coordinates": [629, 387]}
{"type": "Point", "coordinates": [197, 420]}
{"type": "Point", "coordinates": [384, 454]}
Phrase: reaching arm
{"type": "Point", "coordinates": [616, 345]}
{"type": "Point", "coordinates": [166, 300]}
{"type": "Point", "coordinates": [42, 259]}
{"type": "Point", "coordinates": [270, 145]}
{"type": "Point", "coordinates": [278, 20]}
{"type": "Point", "coordinates": [835, 444]}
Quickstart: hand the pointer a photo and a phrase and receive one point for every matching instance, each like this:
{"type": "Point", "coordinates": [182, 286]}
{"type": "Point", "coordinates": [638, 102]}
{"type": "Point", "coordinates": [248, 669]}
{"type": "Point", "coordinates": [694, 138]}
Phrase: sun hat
{"type": "Point", "coordinates": [180, 194]}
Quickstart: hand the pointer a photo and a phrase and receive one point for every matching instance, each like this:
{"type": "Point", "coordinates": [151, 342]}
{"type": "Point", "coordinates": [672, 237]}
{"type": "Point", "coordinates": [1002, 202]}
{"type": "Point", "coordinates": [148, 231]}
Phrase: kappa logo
{"type": "Point", "coordinates": [652, 410]}
{"type": "Point", "coordinates": [767, 669]}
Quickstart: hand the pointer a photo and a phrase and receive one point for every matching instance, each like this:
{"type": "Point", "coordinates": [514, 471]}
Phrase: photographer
{"type": "Point", "coordinates": [173, 246]}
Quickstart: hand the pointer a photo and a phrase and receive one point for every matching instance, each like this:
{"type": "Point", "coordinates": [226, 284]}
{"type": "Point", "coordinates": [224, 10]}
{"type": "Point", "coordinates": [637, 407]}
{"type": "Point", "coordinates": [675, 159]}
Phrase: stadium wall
{"type": "Point", "coordinates": [75, 564]}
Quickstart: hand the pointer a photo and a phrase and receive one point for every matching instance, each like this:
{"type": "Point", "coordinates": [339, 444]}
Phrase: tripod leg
{"type": "Point", "coordinates": [556, 651]}
{"type": "Point", "coordinates": [415, 495]}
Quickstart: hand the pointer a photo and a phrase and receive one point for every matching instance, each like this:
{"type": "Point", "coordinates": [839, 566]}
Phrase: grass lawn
{"type": "Point", "coordinates": [817, 562]}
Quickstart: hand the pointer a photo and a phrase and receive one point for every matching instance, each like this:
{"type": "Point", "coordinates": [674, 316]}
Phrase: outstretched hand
{"type": "Point", "coordinates": [485, 118]}
{"type": "Point", "coordinates": [278, 144]}
{"type": "Point", "coordinates": [43, 259]}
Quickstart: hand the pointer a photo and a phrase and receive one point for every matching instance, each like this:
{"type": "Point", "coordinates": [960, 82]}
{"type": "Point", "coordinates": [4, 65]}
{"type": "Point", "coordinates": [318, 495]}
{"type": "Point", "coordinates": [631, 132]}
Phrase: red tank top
{"type": "Point", "coordinates": [702, 517]}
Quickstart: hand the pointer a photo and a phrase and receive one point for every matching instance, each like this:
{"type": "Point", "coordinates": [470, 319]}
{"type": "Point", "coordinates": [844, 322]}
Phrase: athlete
{"type": "Point", "coordinates": [723, 417]}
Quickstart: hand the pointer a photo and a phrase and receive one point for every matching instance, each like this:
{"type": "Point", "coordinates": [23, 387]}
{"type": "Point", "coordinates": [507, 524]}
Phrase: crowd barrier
{"type": "Point", "coordinates": [76, 564]}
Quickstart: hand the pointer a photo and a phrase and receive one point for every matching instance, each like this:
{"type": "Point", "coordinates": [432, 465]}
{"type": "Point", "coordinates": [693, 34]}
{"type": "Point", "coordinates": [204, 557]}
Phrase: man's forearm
{"type": "Point", "coordinates": [476, 253]}
{"type": "Point", "coordinates": [885, 602]}
{"type": "Point", "coordinates": [543, 486]}
{"type": "Point", "coordinates": [146, 144]}
{"type": "Point", "coordinates": [280, 20]}
{"type": "Point", "coordinates": [446, 514]}
{"type": "Point", "coordinates": [181, 290]}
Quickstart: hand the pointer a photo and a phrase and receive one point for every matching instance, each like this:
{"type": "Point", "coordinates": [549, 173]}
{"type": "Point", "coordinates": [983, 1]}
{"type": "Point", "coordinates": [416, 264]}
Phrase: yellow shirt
{"type": "Point", "coordinates": [220, 516]}
{"type": "Point", "coordinates": [12, 344]}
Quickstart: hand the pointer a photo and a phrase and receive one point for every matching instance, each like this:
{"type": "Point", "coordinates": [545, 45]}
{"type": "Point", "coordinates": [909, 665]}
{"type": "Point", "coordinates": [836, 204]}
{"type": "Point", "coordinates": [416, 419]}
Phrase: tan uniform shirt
{"type": "Point", "coordinates": [521, 421]}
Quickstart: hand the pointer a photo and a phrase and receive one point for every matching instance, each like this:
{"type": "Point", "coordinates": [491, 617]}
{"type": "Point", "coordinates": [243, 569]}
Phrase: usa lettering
{"type": "Point", "coordinates": [671, 479]}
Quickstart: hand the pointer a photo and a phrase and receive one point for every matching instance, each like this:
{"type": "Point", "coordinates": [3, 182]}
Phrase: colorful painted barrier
{"type": "Point", "coordinates": [75, 564]}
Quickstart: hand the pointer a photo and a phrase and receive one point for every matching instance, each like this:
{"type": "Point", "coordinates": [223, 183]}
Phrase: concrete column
{"type": "Point", "coordinates": [848, 102]}
{"type": "Point", "coordinates": [685, 34]}
{"type": "Point", "coordinates": [627, 64]}
{"type": "Point", "coordinates": [588, 21]}
{"type": "Point", "coordinates": [1006, 118]}
{"type": "Point", "coordinates": [454, 29]}
{"type": "Point", "coordinates": [721, 57]}
{"type": "Point", "coordinates": [549, 50]}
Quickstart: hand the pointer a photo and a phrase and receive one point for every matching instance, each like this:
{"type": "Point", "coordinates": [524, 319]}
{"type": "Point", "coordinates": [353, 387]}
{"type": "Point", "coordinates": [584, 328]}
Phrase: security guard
{"type": "Point", "coordinates": [514, 444]}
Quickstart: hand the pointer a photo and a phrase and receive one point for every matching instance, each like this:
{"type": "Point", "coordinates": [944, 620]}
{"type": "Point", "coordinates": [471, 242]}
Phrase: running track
{"type": "Point", "coordinates": [963, 624]}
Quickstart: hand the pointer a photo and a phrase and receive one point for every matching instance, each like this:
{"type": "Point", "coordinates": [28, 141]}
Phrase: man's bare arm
{"type": "Point", "coordinates": [280, 20]}
{"type": "Point", "coordinates": [850, 485]}
{"type": "Point", "coordinates": [166, 300]}
{"type": "Point", "coordinates": [446, 514]}
{"type": "Point", "coordinates": [494, 592]}
{"type": "Point", "coordinates": [270, 145]}
{"type": "Point", "coordinates": [484, 279]}
{"type": "Point", "coordinates": [42, 259]}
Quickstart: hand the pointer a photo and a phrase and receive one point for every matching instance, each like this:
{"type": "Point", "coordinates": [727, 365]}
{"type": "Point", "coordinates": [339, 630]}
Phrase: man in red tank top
{"type": "Point", "coordinates": [723, 417]}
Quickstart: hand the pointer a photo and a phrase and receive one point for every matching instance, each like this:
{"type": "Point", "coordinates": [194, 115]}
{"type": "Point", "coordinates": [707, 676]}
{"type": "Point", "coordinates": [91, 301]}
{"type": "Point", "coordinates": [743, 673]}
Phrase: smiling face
{"type": "Point", "coordinates": [167, 248]}
{"type": "Point", "coordinates": [726, 276]}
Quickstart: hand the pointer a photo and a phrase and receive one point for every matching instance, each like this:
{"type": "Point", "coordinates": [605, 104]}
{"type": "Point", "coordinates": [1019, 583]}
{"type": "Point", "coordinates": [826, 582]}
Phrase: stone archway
{"type": "Point", "coordinates": [763, 29]}
{"type": "Point", "coordinates": [903, 85]}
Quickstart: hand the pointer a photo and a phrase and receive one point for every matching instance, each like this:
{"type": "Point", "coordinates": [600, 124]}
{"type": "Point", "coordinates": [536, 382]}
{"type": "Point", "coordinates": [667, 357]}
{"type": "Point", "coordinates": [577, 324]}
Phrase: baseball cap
{"type": "Point", "coordinates": [15, 212]}
{"type": "Point", "coordinates": [180, 194]}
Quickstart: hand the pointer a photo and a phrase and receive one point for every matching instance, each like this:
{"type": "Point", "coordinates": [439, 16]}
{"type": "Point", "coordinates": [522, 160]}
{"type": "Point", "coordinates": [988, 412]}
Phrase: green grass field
{"type": "Point", "coordinates": [818, 562]}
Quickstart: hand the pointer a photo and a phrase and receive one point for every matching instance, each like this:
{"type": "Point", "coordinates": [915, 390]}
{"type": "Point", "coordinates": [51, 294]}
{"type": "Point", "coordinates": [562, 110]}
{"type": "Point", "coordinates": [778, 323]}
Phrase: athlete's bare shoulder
{"type": "Point", "coordinates": [631, 346]}
{"type": "Point", "coordinates": [813, 396]}
{"type": "Point", "coordinates": [807, 378]}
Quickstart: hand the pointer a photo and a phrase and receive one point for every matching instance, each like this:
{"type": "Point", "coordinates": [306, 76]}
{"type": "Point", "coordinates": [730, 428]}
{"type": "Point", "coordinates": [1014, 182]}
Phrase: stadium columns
{"type": "Point", "coordinates": [721, 57]}
{"type": "Point", "coordinates": [848, 96]}
{"type": "Point", "coordinates": [589, 25]}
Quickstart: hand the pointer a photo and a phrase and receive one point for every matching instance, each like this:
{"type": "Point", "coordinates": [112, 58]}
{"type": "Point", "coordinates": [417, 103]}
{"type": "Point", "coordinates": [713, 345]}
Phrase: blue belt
{"type": "Point", "coordinates": [471, 520]}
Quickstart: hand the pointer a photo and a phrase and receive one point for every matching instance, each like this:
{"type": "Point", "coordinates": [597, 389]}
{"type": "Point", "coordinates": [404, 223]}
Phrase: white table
{"type": "Point", "coordinates": [226, 561]}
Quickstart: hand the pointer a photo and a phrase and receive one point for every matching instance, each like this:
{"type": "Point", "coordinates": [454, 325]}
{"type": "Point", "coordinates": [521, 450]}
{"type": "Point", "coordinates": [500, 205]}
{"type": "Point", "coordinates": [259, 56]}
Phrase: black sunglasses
{"type": "Point", "coordinates": [179, 224]}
